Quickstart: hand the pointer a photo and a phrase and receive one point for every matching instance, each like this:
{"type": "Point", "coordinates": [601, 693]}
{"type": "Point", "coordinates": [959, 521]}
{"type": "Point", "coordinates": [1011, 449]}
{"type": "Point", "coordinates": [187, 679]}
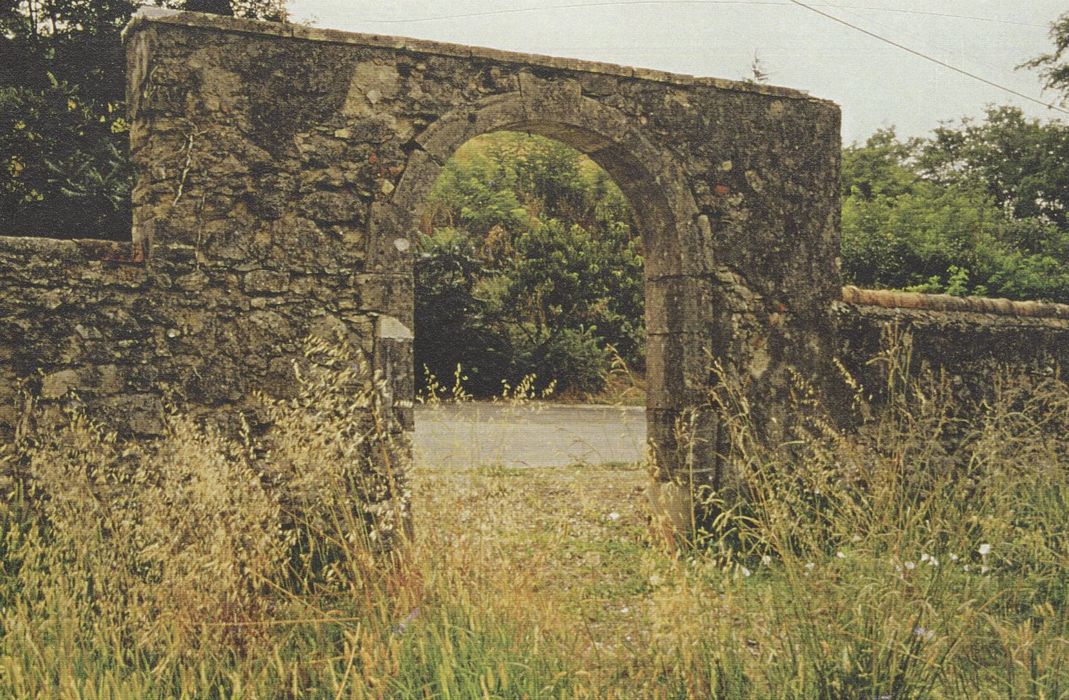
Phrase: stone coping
{"type": "Point", "coordinates": [155, 15]}
{"type": "Point", "coordinates": [944, 302]}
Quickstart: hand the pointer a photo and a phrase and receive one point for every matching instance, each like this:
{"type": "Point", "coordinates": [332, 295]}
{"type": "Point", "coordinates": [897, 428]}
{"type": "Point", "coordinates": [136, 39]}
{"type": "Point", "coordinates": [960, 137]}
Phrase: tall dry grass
{"type": "Point", "coordinates": [926, 555]}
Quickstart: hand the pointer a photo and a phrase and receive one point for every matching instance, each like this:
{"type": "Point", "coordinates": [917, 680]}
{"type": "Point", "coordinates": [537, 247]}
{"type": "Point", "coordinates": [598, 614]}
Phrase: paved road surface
{"type": "Point", "coordinates": [475, 434]}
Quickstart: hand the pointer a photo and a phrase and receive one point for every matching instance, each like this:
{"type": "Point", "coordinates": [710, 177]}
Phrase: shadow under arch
{"type": "Point", "coordinates": [675, 237]}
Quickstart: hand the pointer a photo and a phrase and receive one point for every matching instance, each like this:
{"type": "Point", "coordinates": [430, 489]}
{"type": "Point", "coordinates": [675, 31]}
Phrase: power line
{"type": "Point", "coordinates": [926, 57]}
{"type": "Point", "coordinates": [927, 13]}
{"type": "Point", "coordinates": [624, 3]}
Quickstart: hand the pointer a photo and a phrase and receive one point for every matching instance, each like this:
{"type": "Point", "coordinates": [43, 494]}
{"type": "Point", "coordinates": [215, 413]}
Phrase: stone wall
{"type": "Point", "coordinates": [282, 172]}
{"type": "Point", "coordinates": [73, 317]}
{"type": "Point", "coordinates": [970, 339]}
{"type": "Point", "coordinates": [281, 176]}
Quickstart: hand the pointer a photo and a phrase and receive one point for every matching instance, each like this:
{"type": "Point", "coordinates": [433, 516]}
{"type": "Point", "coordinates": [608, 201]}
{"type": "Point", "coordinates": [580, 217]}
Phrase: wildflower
{"type": "Point", "coordinates": [984, 549]}
{"type": "Point", "coordinates": [745, 571]}
{"type": "Point", "coordinates": [614, 516]}
{"type": "Point", "coordinates": [910, 566]}
{"type": "Point", "coordinates": [952, 557]}
{"type": "Point", "coordinates": [766, 560]}
{"type": "Point", "coordinates": [400, 627]}
{"type": "Point", "coordinates": [924, 556]}
{"type": "Point", "coordinates": [855, 539]}
{"type": "Point", "coordinates": [839, 555]}
{"type": "Point", "coordinates": [809, 566]}
{"type": "Point", "coordinates": [932, 561]}
{"type": "Point", "coordinates": [922, 633]}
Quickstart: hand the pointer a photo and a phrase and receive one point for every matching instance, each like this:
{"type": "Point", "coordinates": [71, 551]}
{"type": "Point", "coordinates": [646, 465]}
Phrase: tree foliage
{"type": "Point", "coordinates": [978, 208]}
{"type": "Point", "coordinates": [64, 169]}
{"type": "Point", "coordinates": [1054, 66]}
{"type": "Point", "coordinates": [531, 266]}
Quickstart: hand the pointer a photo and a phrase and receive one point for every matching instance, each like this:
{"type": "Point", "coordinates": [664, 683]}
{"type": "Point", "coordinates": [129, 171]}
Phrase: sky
{"type": "Point", "coordinates": [877, 85]}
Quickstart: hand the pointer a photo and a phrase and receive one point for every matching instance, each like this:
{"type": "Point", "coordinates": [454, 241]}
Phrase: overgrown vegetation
{"type": "Point", "coordinates": [530, 266]}
{"type": "Point", "coordinates": [977, 209]}
{"type": "Point", "coordinates": [64, 141]}
{"type": "Point", "coordinates": [926, 557]}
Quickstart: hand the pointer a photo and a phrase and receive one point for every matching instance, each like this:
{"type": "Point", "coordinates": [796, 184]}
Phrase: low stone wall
{"type": "Point", "coordinates": [92, 322]}
{"type": "Point", "coordinates": [971, 339]}
{"type": "Point", "coordinates": [72, 319]}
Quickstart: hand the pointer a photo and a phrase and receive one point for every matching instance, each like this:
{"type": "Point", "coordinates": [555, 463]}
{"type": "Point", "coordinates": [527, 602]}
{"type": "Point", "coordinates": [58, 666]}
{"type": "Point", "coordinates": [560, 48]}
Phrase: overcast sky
{"type": "Point", "coordinates": [877, 85]}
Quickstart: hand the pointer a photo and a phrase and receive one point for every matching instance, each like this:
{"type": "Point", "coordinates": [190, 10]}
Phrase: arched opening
{"type": "Point", "coordinates": [674, 237]}
{"type": "Point", "coordinates": [559, 225]}
{"type": "Point", "coordinates": [529, 278]}
{"type": "Point", "coordinates": [529, 293]}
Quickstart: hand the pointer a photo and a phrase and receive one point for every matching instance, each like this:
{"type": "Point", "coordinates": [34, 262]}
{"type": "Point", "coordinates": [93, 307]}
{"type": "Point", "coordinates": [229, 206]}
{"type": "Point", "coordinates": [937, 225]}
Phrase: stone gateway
{"type": "Point", "coordinates": [281, 175]}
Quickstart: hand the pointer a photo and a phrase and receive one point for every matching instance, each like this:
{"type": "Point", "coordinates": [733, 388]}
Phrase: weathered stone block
{"type": "Point", "coordinates": [678, 369]}
{"type": "Point", "coordinates": [57, 384]}
{"type": "Point", "coordinates": [333, 207]}
{"type": "Point", "coordinates": [390, 295]}
{"type": "Point", "coordinates": [678, 304]}
{"type": "Point", "coordinates": [392, 237]}
{"type": "Point", "coordinates": [266, 282]}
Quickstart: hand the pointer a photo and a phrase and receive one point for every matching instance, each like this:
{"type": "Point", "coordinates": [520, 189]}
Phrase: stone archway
{"type": "Point", "coordinates": [280, 173]}
{"type": "Point", "coordinates": [663, 205]}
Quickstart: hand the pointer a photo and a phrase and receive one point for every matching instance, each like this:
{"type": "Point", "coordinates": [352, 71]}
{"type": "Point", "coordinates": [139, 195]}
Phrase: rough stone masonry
{"type": "Point", "coordinates": [281, 175]}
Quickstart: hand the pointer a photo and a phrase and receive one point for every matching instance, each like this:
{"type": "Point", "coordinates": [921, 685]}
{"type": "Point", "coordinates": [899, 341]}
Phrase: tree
{"type": "Point", "coordinates": [532, 267]}
{"type": "Point", "coordinates": [214, 7]}
{"type": "Point", "coordinates": [64, 169]}
{"type": "Point", "coordinates": [1054, 66]}
{"type": "Point", "coordinates": [455, 324]}
{"type": "Point", "coordinates": [970, 211]}
{"type": "Point", "coordinates": [1023, 164]}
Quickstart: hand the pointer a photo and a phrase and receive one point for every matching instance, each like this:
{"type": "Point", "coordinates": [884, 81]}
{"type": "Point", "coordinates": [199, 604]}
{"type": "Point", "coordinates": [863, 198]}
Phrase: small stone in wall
{"type": "Point", "coordinates": [266, 282]}
{"type": "Point", "coordinates": [59, 383]}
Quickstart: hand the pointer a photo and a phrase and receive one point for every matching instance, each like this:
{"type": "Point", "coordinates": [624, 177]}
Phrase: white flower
{"type": "Point", "coordinates": [840, 555]}
{"type": "Point", "coordinates": [952, 557]}
{"type": "Point", "coordinates": [855, 538]}
{"type": "Point", "coordinates": [924, 556]}
{"type": "Point", "coordinates": [910, 566]}
{"type": "Point", "coordinates": [933, 561]}
{"type": "Point", "coordinates": [614, 516]}
{"type": "Point", "coordinates": [809, 566]}
{"type": "Point", "coordinates": [766, 560]}
{"type": "Point", "coordinates": [745, 571]}
{"type": "Point", "coordinates": [984, 549]}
